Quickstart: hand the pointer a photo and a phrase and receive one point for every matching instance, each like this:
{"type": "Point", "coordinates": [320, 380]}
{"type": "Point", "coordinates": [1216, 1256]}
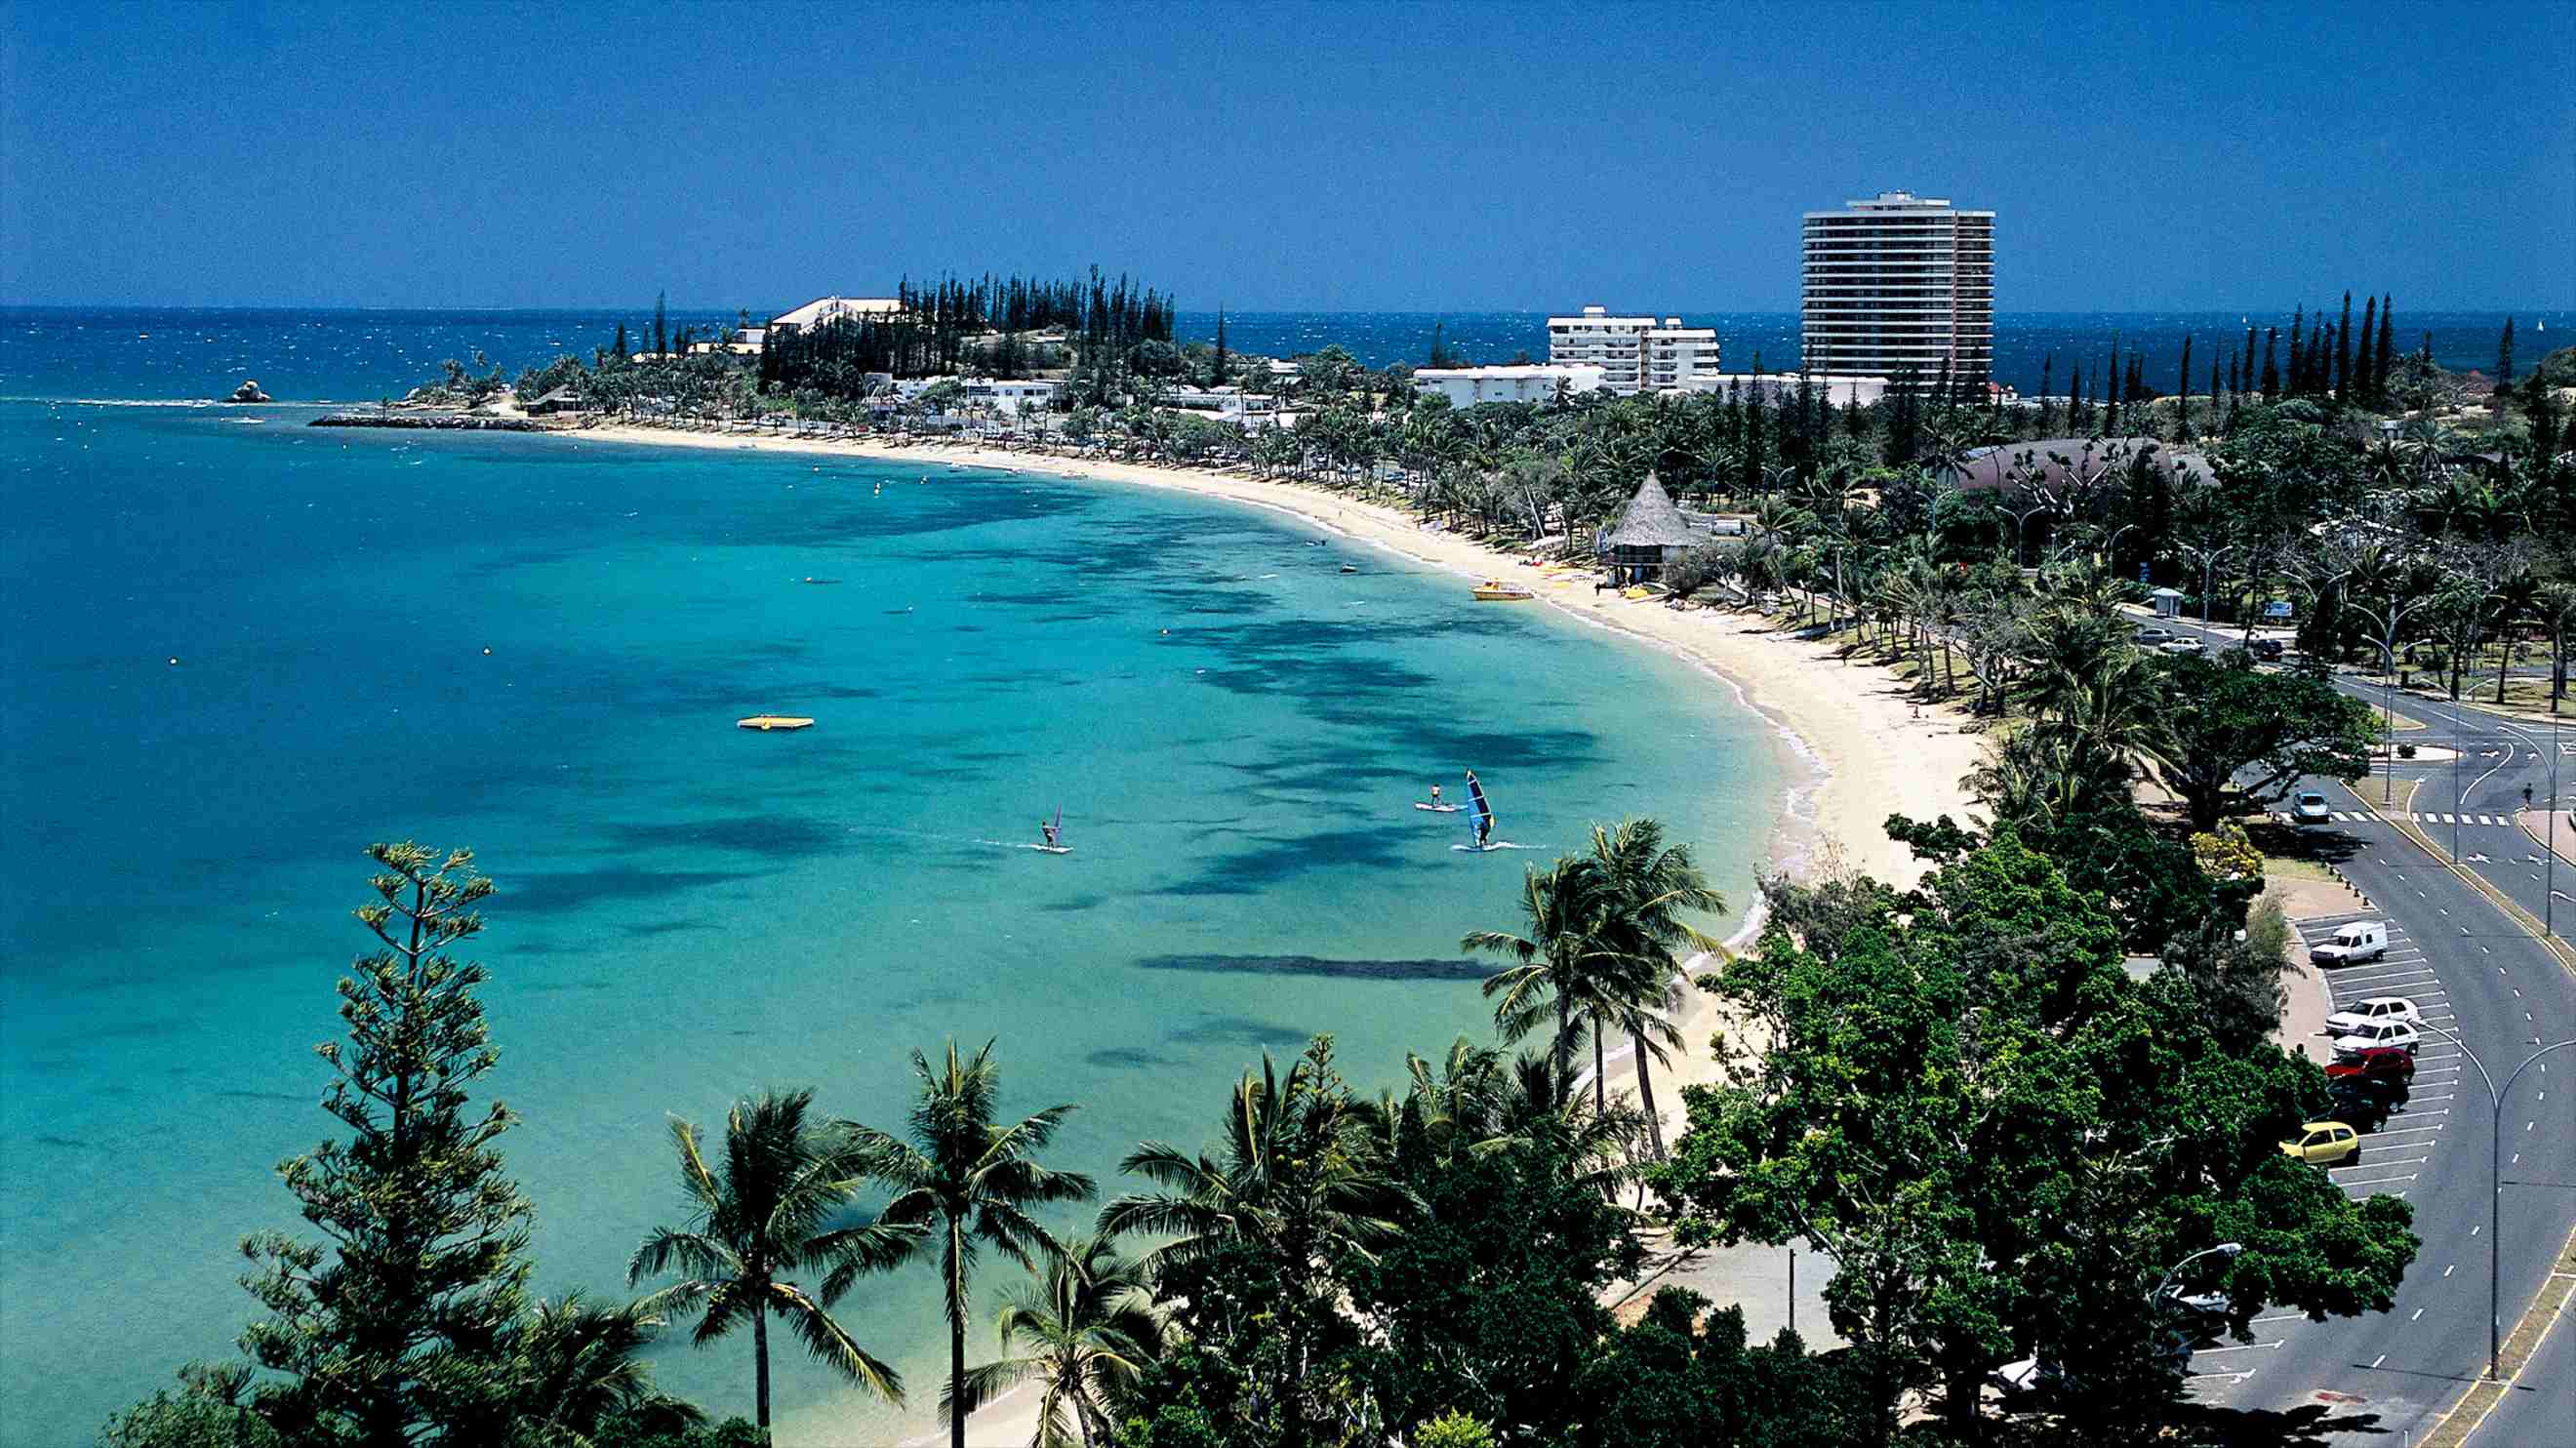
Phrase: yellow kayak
{"type": "Point", "coordinates": [766, 722]}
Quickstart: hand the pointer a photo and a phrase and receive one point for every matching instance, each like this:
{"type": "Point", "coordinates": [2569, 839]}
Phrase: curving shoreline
{"type": "Point", "coordinates": [1867, 751]}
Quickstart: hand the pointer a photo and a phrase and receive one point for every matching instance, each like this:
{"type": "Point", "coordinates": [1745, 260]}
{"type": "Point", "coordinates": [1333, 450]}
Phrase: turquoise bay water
{"type": "Point", "coordinates": [689, 912]}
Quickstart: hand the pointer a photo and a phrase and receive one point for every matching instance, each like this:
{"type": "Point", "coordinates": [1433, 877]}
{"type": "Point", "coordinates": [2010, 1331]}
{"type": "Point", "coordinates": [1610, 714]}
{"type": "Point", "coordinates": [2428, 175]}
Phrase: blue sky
{"type": "Point", "coordinates": [1275, 155]}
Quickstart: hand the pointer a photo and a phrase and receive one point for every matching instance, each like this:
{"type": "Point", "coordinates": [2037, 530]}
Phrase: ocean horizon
{"type": "Point", "coordinates": [239, 649]}
{"type": "Point", "coordinates": [342, 355]}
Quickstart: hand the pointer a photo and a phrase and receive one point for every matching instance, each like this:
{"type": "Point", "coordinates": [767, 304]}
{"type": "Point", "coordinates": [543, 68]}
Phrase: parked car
{"type": "Point", "coordinates": [2377, 1033]}
{"type": "Point", "coordinates": [2029, 1376]}
{"type": "Point", "coordinates": [2198, 1314]}
{"type": "Point", "coordinates": [2325, 1143]}
{"type": "Point", "coordinates": [2372, 1008]}
{"type": "Point", "coordinates": [2154, 637]}
{"type": "Point", "coordinates": [2384, 1063]}
{"type": "Point", "coordinates": [2310, 808]}
{"type": "Point", "coordinates": [2363, 1104]}
{"type": "Point", "coordinates": [2352, 943]}
{"type": "Point", "coordinates": [2182, 646]}
{"type": "Point", "coordinates": [2268, 650]}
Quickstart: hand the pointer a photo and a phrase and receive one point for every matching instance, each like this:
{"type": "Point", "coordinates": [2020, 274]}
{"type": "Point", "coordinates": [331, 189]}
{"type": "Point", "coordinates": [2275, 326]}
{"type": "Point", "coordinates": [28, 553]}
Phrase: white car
{"type": "Point", "coordinates": [2371, 1012]}
{"type": "Point", "coordinates": [2310, 808]}
{"type": "Point", "coordinates": [2182, 646]}
{"type": "Point", "coordinates": [2350, 1044]}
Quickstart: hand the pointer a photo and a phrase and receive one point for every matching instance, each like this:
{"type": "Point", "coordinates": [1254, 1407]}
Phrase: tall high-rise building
{"type": "Point", "coordinates": [1634, 353]}
{"type": "Point", "coordinates": [1900, 284]}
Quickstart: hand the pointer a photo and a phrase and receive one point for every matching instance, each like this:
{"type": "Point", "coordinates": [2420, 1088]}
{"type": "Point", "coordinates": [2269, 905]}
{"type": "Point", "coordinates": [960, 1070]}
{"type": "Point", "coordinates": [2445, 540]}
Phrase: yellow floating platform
{"type": "Point", "coordinates": [1497, 591]}
{"type": "Point", "coordinates": [765, 722]}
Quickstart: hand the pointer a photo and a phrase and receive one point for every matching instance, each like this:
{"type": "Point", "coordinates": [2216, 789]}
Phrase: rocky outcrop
{"type": "Point", "coordinates": [249, 392]}
{"type": "Point", "coordinates": [436, 421]}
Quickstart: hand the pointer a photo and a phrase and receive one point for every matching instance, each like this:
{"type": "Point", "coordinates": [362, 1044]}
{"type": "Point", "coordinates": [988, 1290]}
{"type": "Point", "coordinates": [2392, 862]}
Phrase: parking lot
{"type": "Point", "coordinates": [2393, 1159]}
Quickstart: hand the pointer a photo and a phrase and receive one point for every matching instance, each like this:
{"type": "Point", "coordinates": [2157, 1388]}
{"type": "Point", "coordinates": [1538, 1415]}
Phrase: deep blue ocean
{"type": "Point", "coordinates": [236, 649]}
{"type": "Point", "coordinates": [348, 356]}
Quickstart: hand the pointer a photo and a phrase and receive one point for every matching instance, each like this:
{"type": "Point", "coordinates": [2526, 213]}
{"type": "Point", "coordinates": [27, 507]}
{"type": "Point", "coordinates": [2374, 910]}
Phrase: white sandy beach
{"type": "Point", "coordinates": [1874, 753]}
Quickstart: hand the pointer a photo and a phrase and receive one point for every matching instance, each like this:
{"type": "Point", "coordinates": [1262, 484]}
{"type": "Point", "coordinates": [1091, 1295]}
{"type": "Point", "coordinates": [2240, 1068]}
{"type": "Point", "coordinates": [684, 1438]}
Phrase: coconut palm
{"type": "Point", "coordinates": [970, 1183]}
{"type": "Point", "coordinates": [1091, 1323]}
{"type": "Point", "coordinates": [1559, 967]}
{"type": "Point", "coordinates": [581, 1365]}
{"type": "Point", "coordinates": [766, 1214]}
{"type": "Point", "coordinates": [1646, 888]}
{"type": "Point", "coordinates": [1300, 1182]}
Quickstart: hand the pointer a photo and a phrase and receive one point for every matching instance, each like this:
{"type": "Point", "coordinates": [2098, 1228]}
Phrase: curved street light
{"type": "Point", "coordinates": [2495, 1177]}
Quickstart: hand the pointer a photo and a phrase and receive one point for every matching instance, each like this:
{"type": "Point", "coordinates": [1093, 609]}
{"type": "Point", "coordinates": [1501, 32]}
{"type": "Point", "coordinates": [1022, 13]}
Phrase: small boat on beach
{"type": "Point", "coordinates": [767, 722]}
{"type": "Point", "coordinates": [1494, 590]}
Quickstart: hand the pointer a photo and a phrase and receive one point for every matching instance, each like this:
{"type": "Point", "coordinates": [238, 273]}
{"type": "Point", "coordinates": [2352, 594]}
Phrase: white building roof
{"type": "Point", "coordinates": [824, 309]}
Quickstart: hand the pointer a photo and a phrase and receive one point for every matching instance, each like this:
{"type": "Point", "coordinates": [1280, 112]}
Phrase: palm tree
{"type": "Point", "coordinates": [973, 1183]}
{"type": "Point", "coordinates": [1300, 1183]}
{"type": "Point", "coordinates": [1091, 1320]}
{"type": "Point", "coordinates": [580, 1366]}
{"type": "Point", "coordinates": [766, 1216]}
{"type": "Point", "coordinates": [1646, 886]}
{"type": "Point", "coordinates": [1559, 966]}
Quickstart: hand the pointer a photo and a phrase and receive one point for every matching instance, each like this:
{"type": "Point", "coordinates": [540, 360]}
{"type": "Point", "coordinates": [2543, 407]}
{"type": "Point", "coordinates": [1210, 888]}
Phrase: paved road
{"type": "Point", "coordinates": [2467, 805]}
{"type": "Point", "coordinates": [2471, 970]}
{"type": "Point", "coordinates": [2541, 1408]}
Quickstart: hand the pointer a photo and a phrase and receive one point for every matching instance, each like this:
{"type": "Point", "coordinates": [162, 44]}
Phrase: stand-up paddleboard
{"type": "Point", "coordinates": [1436, 808]}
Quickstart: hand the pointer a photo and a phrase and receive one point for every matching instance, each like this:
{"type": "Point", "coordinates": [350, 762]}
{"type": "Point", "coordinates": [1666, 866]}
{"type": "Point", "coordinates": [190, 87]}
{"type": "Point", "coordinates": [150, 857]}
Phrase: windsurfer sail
{"type": "Point", "coordinates": [1481, 814]}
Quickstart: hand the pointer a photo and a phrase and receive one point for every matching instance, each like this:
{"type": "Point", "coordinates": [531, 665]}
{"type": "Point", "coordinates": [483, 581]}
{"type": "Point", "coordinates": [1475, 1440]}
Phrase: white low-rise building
{"type": "Point", "coordinates": [1231, 403]}
{"type": "Point", "coordinates": [1841, 389]}
{"type": "Point", "coordinates": [1012, 397]}
{"type": "Point", "coordinates": [1526, 382]}
{"type": "Point", "coordinates": [823, 311]}
{"type": "Point", "coordinates": [1635, 354]}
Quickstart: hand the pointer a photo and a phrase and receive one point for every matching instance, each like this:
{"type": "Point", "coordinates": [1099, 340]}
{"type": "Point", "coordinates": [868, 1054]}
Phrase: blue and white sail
{"type": "Point", "coordinates": [1480, 816]}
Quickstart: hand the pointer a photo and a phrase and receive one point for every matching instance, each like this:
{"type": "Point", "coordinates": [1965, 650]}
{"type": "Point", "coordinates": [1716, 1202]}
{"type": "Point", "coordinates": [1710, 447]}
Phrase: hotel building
{"type": "Point", "coordinates": [1900, 284]}
{"type": "Point", "coordinates": [1634, 353]}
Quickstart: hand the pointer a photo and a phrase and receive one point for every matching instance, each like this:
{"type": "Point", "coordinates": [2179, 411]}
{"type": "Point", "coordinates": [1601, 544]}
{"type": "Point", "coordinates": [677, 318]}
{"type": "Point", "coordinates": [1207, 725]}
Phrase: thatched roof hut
{"type": "Point", "coordinates": [1650, 533]}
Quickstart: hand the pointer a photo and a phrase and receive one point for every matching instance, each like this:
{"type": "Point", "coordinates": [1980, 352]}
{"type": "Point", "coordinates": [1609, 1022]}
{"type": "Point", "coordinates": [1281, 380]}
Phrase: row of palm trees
{"type": "Point", "coordinates": [1302, 1175]}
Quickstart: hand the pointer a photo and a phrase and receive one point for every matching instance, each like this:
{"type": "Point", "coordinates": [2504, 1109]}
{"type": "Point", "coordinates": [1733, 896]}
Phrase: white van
{"type": "Point", "coordinates": [2352, 944]}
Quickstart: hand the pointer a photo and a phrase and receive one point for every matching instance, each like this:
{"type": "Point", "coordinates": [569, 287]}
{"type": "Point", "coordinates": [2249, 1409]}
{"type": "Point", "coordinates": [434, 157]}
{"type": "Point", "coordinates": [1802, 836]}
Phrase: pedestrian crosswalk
{"type": "Point", "coordinates": [2428, 817]}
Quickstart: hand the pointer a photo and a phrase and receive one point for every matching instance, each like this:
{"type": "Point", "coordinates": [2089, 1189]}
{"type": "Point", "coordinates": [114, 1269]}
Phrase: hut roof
{"type": "Point", "coordinates": [1651, 521]}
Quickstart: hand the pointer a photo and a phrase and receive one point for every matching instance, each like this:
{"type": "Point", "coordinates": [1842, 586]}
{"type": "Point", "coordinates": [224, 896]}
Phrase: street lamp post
{"type": "Point", "coordinates": [2495, 1182]}
{"type": "Point", "coordinates": [2223, 1249]}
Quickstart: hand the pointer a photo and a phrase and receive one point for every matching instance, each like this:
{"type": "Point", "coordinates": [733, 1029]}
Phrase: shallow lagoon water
{"type": "Point", "coordinates": [687, 911]}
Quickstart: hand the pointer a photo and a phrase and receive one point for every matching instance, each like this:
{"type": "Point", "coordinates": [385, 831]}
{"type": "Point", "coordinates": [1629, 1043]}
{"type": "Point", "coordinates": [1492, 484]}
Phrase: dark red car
{"type": "Point", "coordinates": [2376, 1063]}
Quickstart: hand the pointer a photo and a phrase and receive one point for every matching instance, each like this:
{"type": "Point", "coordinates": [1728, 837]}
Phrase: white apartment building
{"type": "Point", "coordinates": [1635, 354]}
{"type": "Point", "coordinates": [1841, 389]}
{"type": "Point", "coordinates": [1468, 386]}
{"type": "Point", "coordinates": [1900, 284]}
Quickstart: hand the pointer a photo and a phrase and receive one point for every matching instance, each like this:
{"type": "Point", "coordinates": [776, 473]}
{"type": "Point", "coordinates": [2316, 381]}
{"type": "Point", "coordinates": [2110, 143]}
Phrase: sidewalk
{"type": "Point", "coordinates": [2303, 1019]}
{"type": "Point", "coordinates": [2536, 823]}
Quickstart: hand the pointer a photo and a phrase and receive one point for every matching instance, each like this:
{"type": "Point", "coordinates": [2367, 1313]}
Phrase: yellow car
{"type": "Point", "coordinates": [2325, 1143]}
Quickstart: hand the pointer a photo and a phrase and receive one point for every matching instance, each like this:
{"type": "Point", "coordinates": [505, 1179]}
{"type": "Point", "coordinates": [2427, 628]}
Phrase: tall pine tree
{"type": "Point", "coordinates": [2383, 356]}
{"type": "Point", "coordinates": [2047, 381]}
{"type": "Point", "coordinates": [2271, 386]}
{"type": "Point", "coordinates": [392, 1332]}
{"type": "Point", "coordinates": [2365, 387]}
{"type": "Point", "coordinates": [1218, 369]}
{"type": "Point", "coordinates": [2182, 394]}
{"type": "Point", "coordinates": [2343, 352]}
{"type": "Point", "coordinates": [661, 331]}
{"type": "Point", "coordinates": [2504, 355]}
